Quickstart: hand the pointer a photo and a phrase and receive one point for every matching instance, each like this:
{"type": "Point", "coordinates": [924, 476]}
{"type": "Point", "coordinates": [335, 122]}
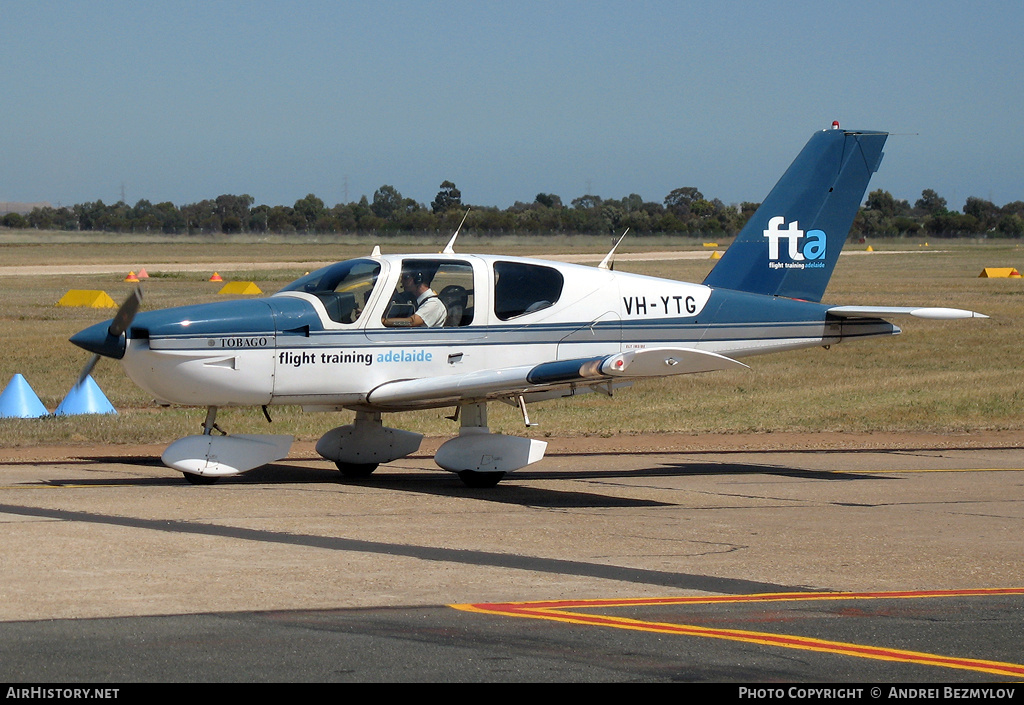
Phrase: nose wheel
{"type": "Point", "coordinates": [208, 457]}
{"type": "Point", "coordinates": [209, 426]}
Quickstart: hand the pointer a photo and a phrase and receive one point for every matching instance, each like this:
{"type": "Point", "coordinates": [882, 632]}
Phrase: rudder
{"type": "Point", "coordinates": [790, 245]}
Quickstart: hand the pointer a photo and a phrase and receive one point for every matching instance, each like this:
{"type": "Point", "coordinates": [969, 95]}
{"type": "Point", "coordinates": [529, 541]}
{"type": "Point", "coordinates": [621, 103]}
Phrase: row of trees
{"type": "Point", "coordinates": [884, 215]}
{"type": "Point", "coordinates": [684, 210]}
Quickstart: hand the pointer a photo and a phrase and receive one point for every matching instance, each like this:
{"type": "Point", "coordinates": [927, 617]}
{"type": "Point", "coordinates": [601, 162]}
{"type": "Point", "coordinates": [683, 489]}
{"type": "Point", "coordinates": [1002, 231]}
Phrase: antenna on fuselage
{"type": "Point", "coordinates": [376, 251]}
{"type": "Point", "coordinates": [607, 262]}
{"type": "Point", "coordinates": [449, 249]}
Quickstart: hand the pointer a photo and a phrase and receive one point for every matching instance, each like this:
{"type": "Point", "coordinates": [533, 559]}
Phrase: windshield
{"type": "Point", "coordinates": [343, 288]}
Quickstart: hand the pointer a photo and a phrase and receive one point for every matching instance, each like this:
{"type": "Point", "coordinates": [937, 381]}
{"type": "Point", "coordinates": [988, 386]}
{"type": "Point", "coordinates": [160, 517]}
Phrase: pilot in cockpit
{"type": "Point", "coordinates": [427, 309]}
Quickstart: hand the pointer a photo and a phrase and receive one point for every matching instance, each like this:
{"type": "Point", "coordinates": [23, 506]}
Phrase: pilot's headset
{"type": "Point", "coordinates": [417, 276]}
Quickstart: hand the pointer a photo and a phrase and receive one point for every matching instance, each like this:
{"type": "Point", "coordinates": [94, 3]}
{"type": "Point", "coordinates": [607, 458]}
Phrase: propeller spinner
{"type": "Point", "coordinates": [108, 342]}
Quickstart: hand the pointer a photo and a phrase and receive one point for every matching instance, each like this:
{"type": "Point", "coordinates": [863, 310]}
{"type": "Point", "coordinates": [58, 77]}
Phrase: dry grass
{"type": "Point", "coordinates": [938, 376]}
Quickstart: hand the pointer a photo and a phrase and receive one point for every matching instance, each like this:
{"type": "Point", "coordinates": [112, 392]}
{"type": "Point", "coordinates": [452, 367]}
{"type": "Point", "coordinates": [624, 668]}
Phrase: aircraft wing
{"type": "Point", "coordinates": [939, 314]}
{"type": "Point", "coordinates": [511, 381]}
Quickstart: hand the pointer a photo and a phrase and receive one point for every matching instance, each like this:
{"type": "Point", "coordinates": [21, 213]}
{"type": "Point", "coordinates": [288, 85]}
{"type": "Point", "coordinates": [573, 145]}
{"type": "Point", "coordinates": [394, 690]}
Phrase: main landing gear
{"type": "Point", "coordinates": [480, 458]}
{"type": "Point", "coordinates": [357, 449]}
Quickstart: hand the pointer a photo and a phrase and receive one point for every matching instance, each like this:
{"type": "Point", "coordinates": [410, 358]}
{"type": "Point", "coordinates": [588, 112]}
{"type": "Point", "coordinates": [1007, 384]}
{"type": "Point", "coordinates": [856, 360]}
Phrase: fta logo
{"type": "Point", "coordinates": [804, 250]}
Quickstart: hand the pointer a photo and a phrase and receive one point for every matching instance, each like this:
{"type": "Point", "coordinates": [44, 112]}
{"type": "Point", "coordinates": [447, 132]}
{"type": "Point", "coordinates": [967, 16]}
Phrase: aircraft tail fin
{"type": "Point", "coordinates": [790, 245]}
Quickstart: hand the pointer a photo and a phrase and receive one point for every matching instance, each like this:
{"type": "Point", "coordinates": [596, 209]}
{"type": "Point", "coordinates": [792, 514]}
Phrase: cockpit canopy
{"type": "Point", "coordinates": [516, 288]}
{"type": "Point", "coordinates": [343, 288]}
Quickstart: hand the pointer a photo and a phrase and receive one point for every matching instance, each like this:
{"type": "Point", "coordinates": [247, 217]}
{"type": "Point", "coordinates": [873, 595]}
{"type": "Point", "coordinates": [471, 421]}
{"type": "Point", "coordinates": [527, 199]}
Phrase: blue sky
{"type": "Point", "coordinates": [180, 101]}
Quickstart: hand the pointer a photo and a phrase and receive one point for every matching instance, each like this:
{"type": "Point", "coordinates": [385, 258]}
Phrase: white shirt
{"type": "Point", "coordinates": [431, 309]}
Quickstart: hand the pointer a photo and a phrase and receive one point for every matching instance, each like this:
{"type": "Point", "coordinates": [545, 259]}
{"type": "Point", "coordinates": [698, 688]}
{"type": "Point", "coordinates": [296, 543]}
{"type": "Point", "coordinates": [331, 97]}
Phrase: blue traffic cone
{"type": "Point", "coordinates": [19, 401]}
{"type": "Point", "coordinates": [85, 398]}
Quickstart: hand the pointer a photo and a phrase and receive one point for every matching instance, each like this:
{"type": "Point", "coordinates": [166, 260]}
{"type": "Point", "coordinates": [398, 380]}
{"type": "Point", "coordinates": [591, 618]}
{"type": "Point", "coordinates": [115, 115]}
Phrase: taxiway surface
{"type": "Point", "coordinates": [115, 569]}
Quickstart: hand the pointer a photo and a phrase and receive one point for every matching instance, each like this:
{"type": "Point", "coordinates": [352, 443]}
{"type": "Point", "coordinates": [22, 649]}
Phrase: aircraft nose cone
{"type": "Point", "coordinates": [97, 339]}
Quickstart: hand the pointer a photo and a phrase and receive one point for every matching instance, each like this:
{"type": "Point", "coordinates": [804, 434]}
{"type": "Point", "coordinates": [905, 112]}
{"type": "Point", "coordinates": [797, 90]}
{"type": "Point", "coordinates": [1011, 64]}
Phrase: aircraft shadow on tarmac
{"type": "Point", "coordinates": [698, 469]}
{"type": "Point", "coordinates": [441, 483]}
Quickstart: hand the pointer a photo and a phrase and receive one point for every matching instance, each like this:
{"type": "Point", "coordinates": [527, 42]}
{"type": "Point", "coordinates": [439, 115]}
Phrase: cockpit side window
{"type": "Point", "coordinates": [450, 282]}
{"type": "Point", "coordinates": [524, 288]}
{"type": "Point", "coordinates": [343, 288]}
{"type": "Point", "coordinates": [454, 286]}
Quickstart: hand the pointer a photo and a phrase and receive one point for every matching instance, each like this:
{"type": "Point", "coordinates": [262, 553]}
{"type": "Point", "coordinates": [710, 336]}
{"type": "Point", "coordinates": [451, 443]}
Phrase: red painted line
{"type": "Point", "coordinates": [556, 610]}
{"type": "Point", "coordinates": [762, 597]}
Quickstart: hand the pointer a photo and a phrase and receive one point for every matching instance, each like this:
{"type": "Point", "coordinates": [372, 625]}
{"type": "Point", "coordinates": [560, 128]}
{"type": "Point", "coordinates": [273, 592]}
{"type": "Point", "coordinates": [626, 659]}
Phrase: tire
{"type": "Point", "coordinates": [476, 479]}
{"type": "Point", "coordinates": [356, 470]}
{"type": "Point", "coordinates": [194, 479]}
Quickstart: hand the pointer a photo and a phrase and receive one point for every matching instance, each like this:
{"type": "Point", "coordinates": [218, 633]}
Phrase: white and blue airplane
{"type": "Point", "coordinates": [519, 330]}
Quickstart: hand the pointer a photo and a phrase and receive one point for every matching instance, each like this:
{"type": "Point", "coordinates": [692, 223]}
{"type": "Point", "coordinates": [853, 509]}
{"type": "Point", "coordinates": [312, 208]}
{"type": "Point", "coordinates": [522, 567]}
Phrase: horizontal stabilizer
{"type": "Point", "coordinates": [938, 314]}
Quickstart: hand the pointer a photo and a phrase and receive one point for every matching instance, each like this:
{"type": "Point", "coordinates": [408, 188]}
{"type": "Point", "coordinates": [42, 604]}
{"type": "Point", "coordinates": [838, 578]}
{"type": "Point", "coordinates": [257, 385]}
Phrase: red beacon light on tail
{"type": "Point", "coordinates": [835, 124]}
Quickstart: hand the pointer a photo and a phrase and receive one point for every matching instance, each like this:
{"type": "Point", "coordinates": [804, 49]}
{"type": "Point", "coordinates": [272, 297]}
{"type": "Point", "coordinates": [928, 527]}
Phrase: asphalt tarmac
{"type": "Point", "coordinates": [657, 565]}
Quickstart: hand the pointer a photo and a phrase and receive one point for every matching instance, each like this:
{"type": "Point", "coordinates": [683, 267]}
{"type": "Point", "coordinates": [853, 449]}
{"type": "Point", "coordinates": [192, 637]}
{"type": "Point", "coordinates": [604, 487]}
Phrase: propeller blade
{"type": "Point", "coordinates": [87, 370]}
{"type": "Point", "coordinates": [122, 319]}
{"type": "Point", "coordinates": [125, 314]}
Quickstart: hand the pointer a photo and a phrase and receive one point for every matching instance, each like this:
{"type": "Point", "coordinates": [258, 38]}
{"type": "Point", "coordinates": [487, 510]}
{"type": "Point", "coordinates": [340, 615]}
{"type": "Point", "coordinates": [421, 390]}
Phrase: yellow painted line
{"type": "Point", "coordinates": [555, 611]}
{"type": "Point", "coordinates": [50, 486]}
{"type": "Point", "coordinates": [906, 472]}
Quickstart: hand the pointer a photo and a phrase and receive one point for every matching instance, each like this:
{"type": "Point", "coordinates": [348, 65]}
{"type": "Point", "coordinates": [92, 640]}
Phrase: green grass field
{"type": "Point", "coordinates": [939, 376]}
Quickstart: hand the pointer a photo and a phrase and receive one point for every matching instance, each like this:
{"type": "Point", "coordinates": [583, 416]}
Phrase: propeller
{"type": "Point", "coordinates": [122, 319]}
